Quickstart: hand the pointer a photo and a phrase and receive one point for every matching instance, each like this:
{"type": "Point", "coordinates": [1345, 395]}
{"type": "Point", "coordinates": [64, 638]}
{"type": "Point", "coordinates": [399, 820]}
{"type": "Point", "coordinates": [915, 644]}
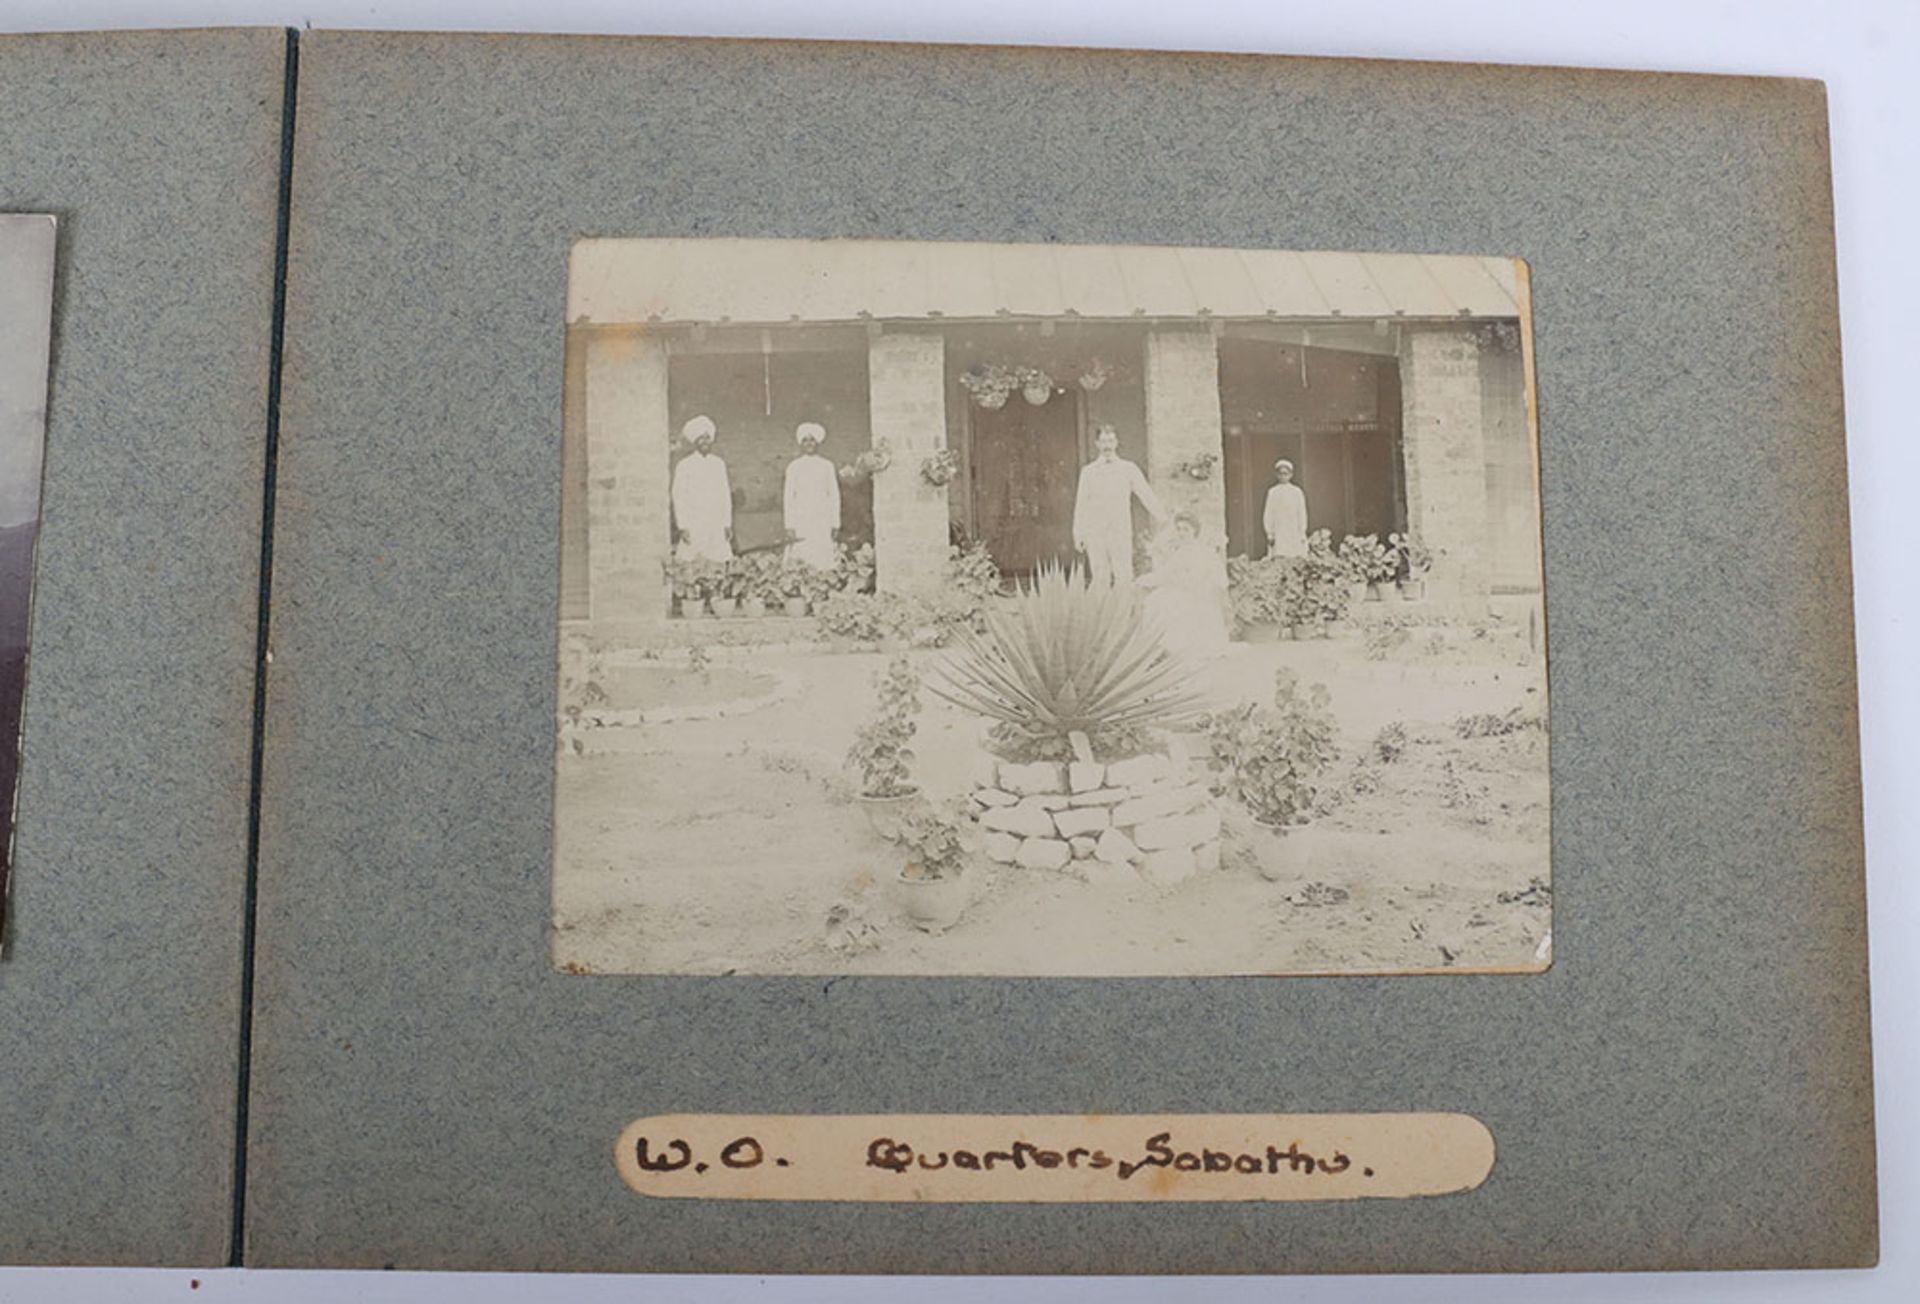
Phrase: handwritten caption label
{"type": "Point", "coordinates": [1053, 1158]}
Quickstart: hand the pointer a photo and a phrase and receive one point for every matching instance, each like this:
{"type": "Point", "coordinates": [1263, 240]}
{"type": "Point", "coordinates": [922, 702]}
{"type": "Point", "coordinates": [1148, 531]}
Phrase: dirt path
{"type": "Point", "coordinates": [728, 845]}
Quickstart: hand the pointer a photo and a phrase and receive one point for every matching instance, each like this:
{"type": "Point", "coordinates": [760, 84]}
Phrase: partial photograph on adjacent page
{"type": "Point", "coordinates": [1048, 610]}
{"type": "Point", "coordinates": [26, 332]}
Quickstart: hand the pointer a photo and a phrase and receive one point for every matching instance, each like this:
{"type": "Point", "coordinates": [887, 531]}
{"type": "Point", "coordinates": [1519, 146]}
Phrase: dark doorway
{"type": "Point", "coordinates": [1026, 465]}
{"type": "Point", "coordinates": [1334, 414]}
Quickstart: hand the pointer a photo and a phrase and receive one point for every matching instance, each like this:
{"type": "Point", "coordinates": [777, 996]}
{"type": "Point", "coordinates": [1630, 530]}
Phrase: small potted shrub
{"type": "Point", "coordinates": [729, 582]}
{"type": "Point", "coordinates": [1271, 757]}
{"type": "Point", "coordinates": [1315, 593]}
{"type": "Point", "coordinates": [694, 580]}
{"type": "Point", "coordinates": [1255, 595]}
{"type": "Point", "coordinates": [882, 750]}
{"type": "Point", "coordinates": [1415, 560]}
{"type": "Point", "coordinates": [752, 569]}
{"type": "Point", "coordinates": [1369, 563]}
{"type": "Point", "coordinates": [795, 583]}
{"type": "Point", "coordinates": [853, 568]}
{"type": "Point", "coordinates": [933, 886]}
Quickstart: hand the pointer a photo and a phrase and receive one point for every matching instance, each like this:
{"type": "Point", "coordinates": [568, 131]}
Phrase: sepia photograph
{"type": "Point", "coordinates": [26, 325]}
{"type": "Point", "coordinates": [1048, 610]}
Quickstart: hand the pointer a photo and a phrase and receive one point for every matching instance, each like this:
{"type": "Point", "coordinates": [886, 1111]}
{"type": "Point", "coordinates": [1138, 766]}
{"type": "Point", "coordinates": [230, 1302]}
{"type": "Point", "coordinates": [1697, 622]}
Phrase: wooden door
{"type": "Point", "coordinates": [1026, 467]}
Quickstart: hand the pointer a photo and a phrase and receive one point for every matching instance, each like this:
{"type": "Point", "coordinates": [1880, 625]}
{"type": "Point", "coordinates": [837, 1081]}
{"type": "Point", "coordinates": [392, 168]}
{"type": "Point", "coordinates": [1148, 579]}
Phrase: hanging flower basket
{"type": "Point", "coordinates": [990, 383]}
{"type": "Point", "coordinates": [1095, 375]}
{"type": "Point", "coordinates": [1199, 468]}
{"type": "Point", "coordinates": [1036, 386]}
{"type": "Point", "coordinates": [940, 469]}
{"type": "Point", "coordinates": [869, 464]}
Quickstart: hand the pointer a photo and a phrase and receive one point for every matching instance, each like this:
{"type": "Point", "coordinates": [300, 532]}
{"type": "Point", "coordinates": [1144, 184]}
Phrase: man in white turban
{"type": "Point", "coordinates": [702, 497]}
{"type": "Point", "coordinates": [1286, 515]}
{"type": "Point", "coordinates": [812, 500]}
{"type": "Point", "coordinates": [1103, 510]}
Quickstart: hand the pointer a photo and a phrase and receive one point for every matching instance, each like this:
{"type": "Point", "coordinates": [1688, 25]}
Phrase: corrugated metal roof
{"type": "Point", "coordinates": [769, 281]}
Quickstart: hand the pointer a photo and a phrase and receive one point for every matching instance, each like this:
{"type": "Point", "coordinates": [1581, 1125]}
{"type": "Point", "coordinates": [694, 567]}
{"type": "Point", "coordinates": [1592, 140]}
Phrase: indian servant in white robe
{"type": "Point", "coordinates": [702, 497]}
{"type": "Point", "coordinates": [811, 503]}
{"type": "Point", "coordinates": [1103, 511]}
{"type": "Point", "coordinates": [1286, 516]}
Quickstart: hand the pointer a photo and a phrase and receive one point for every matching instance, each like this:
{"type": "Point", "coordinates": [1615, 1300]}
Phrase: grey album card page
{"type": "Point", "coordinates": [120, 989]}
{"type": "Point", "coordinates": [446, 1055]}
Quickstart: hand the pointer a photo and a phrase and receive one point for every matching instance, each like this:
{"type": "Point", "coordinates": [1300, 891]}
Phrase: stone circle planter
{"type": "Point", "coordinates": [933, 904]}
{"type": "Point", "coordinates": [885, 813]}
{"type": "Point", "coordinates": [1138, 812]}
{"type": "Point", "coordinates": [1279, 852]}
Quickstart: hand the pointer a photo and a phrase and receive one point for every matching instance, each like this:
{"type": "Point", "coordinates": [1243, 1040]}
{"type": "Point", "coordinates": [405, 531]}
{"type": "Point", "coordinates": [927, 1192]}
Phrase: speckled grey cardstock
{"type": "Point", "coordinates": [120, 992]}
{"type": "Point", "coordinates": [1687, 1087]}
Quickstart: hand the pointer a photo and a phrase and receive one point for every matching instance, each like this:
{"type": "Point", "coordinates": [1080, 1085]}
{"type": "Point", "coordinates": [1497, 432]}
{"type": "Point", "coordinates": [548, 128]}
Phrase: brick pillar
{"type": "Point", "coordinates": [628, 520]}
{"type": "Point", "coordinates": [1443, 436]}
{"type": "Point", "coordinates": [906, 378]}
{"type": "Point", "coordinates": [1183, 422]}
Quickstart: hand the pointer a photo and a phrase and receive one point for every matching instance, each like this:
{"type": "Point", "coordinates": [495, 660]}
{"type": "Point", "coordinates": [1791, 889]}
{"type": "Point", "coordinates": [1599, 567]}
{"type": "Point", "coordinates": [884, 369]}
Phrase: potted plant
{"type": "Point", "coordinates": [693, 580]}
{"type": "Point", "coordinates": [1317, 592]}
{"type": "Point", "coordinates": [728, 582]}
{"type": "Point", "coordinates": [882, 750]}
{"type": "Point", "coordinates": [1270, 757]}
{"type": "Point", "coordinates": [1368, 561]}
{"type": "Point", "coordinates": [933, 886]}
{"type": "Point", "coordinates": [852, 568]}
{"type": "Point", "coordinates": [793, 577]}
{"type": "Point", "coordinates": [754, 570]}
{"type": "Point", "coordinates": [1036, 386]}
{"type": "Point", "coordinates": [1257, 594]}
{"type": "Point", "coordinates": [1415, 560]}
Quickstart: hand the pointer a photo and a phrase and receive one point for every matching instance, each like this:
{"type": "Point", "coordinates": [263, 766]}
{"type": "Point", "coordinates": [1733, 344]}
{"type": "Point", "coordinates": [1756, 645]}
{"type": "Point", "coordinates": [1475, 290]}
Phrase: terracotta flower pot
{"type": "Point", "coordinates": [885, 813]}
{"type": "Point", "coordinates": [933, 904]}
{"type": "Point", "coordinates": [1412, 590]}
{"type": "Point", "coordinates": [796, 607]}
{"type": "Point", "coordinates": [1279, 852]}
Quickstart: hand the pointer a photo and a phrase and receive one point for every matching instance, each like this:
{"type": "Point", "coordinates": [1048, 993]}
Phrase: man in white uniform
{"type": "Point", "coordinates": [1103, 510]}
{"type": "Point", "coordinates": [1286, 515]}
{"type": "Point", "coordinates": [812, 500]}
{"type": "Point", "coordinates": [702, 497]}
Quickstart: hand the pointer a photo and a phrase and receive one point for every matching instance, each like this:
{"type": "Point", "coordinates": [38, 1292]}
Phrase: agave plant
{"type": "Point", "coordinates": [1067, 657]}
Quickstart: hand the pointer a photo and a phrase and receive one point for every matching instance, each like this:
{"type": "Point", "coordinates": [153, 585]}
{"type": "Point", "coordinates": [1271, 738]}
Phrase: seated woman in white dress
{"type": "Point", "coordinates": [1187, 593]}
